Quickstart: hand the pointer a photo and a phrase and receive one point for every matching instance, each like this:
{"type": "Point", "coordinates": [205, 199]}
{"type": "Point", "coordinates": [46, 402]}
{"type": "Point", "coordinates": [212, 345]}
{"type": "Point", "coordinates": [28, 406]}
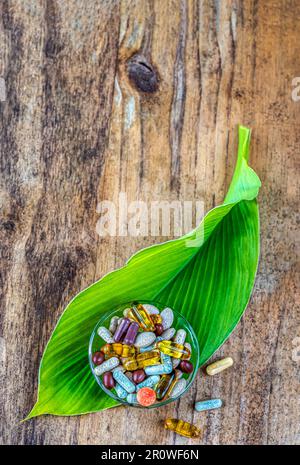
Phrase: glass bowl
{"type": "Point", "coordinates": [96, 342]}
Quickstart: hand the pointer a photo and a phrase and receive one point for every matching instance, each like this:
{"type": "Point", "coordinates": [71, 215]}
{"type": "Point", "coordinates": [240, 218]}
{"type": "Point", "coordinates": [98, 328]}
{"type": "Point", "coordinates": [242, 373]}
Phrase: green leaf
{"type": "Point", "coordinates": [207, 275]}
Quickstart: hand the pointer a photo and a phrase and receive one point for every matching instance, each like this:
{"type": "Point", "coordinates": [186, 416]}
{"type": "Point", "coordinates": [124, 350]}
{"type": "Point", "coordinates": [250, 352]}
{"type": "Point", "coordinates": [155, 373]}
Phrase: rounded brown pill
{"type": "Point", "coordinates": [186, 366]}
{"type": "Point", "coordinates": [138, 376]}
{"type": "Point", "coordinates": [159, 329]}
{"type": "Point", "coordinates": [108, 380]}
{"type": "Point", "coordinates": [98, 358]}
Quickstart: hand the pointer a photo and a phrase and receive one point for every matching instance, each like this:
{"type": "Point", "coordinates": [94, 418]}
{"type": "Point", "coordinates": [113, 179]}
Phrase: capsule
{"type": "Point", "coordinates": [166, 335]}
{"type": "Point", "coordinates": [108, 365]}
{"type": "Point", "coordinates": [178, 388]}
{"type": "Point", "coordinates": [113, 324]}
{"type": "Point", "coordinates": [121, 329]}
{"type": "Point", "coordinates": [210, 404]}
{"type": "Point", "coordinates": [164, 385]}
{"type": "Point", "coordinates": [139, 314]}
{"type": "Point", "coordinates": [182, 427]}
{"type": "Point", "coordinates": [121, 392]}
{"type": "Point", "coordinates": [131, 333]}
{"type": "Point", "coordinates": [151, 381]}
{"type": "Point", "coordinates": [118, 349]}
{"type": "Point", "coordinates": [105, 334]}
{"type": "Point", "coordinates": [173, 349]}
{"type": "Point", "coordinates": [156, 319]}
{"type": "Point", "coordinates": [124, 381]}
{"type": "Point", "coordinates": [220, 365]}
{"type": "Point", "coordinates": [142, 360]}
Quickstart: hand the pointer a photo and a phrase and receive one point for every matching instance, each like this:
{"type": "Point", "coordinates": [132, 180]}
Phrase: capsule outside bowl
{"type": "Point", "coordinates": [180, 322]}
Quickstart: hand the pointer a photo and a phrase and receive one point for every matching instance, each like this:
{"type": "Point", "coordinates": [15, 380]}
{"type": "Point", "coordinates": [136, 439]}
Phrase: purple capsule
{"type": "Point", "coordinates": [131, 333]}
{"type": "Point", "coordinates": [121, 329]}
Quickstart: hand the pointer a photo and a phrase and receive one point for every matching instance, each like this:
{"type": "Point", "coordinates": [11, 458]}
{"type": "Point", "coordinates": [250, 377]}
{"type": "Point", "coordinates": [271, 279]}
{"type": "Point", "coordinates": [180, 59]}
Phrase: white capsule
{"type": "Point", "coordinates": [151, 309]}
{"type": "Point", "coordinates": [125, 312]}
{"type": "Point", "coordinates": [175, 362]}
{"type": "Point", "coordinates": [166, 335]}
{"type": "Point", "coordinates": [178, 388]}
{"type": "Point", "coordinates": [108, 365]}
{"type": "Point", "coordinates": [189, 347]}
{"type": "Point", "coordinates": [113, 324]}
{"type": "Point", "coordinates": [105, 334]}
{"type": "Point", "coordinates": [167, 318]}
{"type": "Point", "coordinates": [180, 337]}
{"type": "Point", "coordinates": [144, 339]}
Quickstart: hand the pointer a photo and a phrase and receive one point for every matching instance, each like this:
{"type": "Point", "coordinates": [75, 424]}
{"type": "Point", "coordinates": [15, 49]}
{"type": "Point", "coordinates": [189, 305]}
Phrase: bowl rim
{"type": "Point", "coordinates": [121, 307]}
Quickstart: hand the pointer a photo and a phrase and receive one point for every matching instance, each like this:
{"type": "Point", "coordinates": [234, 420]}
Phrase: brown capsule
{"type": "Point", "coordinates": [138, 376]}
{"type": "Point", "coordinates": [98, 358]}
{"type": "Point", "coordinates": [108, 380]}
{"type": "Point", "coordinates": [186, 366]}
{"type": "Point", "coordinates": [159, 329]}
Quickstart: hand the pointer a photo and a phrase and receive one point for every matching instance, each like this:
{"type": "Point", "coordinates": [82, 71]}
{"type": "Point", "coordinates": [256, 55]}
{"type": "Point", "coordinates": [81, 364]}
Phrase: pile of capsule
{"type": "Point", "coordinates": [144, 359]}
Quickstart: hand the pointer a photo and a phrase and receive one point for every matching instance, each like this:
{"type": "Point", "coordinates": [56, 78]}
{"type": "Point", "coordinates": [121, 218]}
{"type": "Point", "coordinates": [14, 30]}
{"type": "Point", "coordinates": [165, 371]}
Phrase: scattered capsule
{"type": "Point", "coordinates": [166, 335]}
{"type": "Point", "coordinates": [108, 365]}
{"type": "Point", "coordinates": [210, 404]}
{"type": "Point", "coordinates": [164, 385]}
{"type": "Point", "coordinates": [156, 319]}
{"type": "Point", "coordinates": [121, 392]}
{"type": "Point", "coordinates": [145, 339]}
{"type": "Point", "coordinates": [173, 349]}
{"type": "Point", "coordinates": [220, 365]}
{"type": "Point", "coordinates": [182, 427]}
{"type": "Point", "coordinates": [139, 314]}
{"type": "Point", "coordinates": [105, 334]}
{"type": "Point", "coordinates": [124, 381]}
{"type": "Point", "coordinates": [131, 399]}
{"type": "Point", "coordinates": [108, 380]}
{"type": "Point", "coordinates": [98, 358]}
{"type": "Point", "coordinates": [146, 396]}
{"type": "Point", "coordinates": [131, 333]}
{"type": "Point", "coordinates": [178, 388]}
{"type": "Point", "coordinates": [151, 309]}
{"type": "Point", "coordinates": [167, 318]}
{"type": "Point", "coordinates": [113, 324]}
{"type": "Point", "coordinates": [121, 329]}
{"type": "Point", "coordinates": [118, 349]}
{"type": "Point", "coordinates": [151, 381]}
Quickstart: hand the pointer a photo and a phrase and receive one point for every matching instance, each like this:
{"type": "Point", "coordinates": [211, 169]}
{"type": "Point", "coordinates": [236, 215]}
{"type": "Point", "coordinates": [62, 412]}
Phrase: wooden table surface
{"type": "Point", "coordinates": [76, 130]}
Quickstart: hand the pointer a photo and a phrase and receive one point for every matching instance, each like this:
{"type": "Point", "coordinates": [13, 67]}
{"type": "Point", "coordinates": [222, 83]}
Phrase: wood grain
{"type": "Point", "coordinates": [77, 129]}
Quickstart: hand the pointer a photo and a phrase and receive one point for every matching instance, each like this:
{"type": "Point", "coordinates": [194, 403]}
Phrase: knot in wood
{"type": "Point", "coordinates": [142, 74]}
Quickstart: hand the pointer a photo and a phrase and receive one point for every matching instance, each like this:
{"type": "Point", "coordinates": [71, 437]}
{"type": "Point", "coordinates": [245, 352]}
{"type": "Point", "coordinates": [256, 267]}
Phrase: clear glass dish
{"type": "Point", "coordinates": [96, 342]}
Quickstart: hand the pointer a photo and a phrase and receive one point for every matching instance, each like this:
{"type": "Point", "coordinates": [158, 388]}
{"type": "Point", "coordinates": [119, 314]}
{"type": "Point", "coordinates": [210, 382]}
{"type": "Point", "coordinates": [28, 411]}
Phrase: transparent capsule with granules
{"type": "Point", "coordinates": [173, 349]}
{"type": "Point", "coordinates": [182, 427]}
{"type": "Point", "coordinates": [139, 314]}
{"type": "Point", "coordinates": [218, 366]}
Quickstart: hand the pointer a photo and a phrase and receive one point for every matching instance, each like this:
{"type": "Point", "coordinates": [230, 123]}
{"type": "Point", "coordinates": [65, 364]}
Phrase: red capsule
{"type": "Point", "coordinates": [138, 376]}
{"type": "Point", "coordinates": [159, 329]}
{"type": "Point", "coordinates": [108, 380]}
{"type": "Point", "coordinates": [98, 358]}
{"type": "Point", "coordinates": [186, 366]}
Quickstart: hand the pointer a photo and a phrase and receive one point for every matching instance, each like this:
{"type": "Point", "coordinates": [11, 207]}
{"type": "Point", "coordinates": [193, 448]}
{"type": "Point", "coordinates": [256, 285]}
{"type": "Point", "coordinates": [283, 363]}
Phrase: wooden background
{"type": "Point", "coordinates": [75, 129]}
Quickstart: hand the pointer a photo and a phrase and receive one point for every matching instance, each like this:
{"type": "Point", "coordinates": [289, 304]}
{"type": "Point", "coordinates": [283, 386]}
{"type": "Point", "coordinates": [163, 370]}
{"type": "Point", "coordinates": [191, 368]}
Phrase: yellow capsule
{"type": "Point", "coordinates": [173, 349]}
{"type": "Point", "coordinates": [220, 365]}
{"type": "Point", "coordinates": [182, 427]}
{"type": "Point", "coordinates": [156, 319]}
{"type": "Point", "coordinates": [164, 385]}
{"type": "Point", "coordinates": [139, 314]}
{"type": "Point", "coordinates": [142, 360]}
{"type": "Point", "coordinates": [116, 349]}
